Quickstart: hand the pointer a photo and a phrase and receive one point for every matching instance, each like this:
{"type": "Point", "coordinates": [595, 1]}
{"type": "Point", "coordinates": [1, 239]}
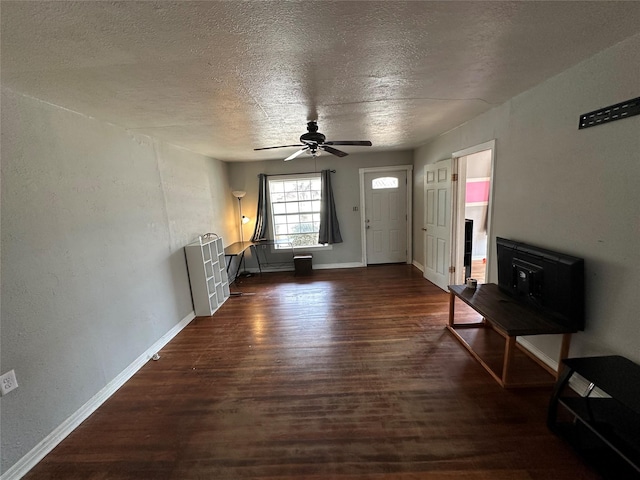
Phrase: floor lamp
{"type": "Point", "coordinates": [243, 220]}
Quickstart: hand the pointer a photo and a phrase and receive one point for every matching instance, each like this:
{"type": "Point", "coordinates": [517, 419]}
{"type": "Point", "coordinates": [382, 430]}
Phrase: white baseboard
{"type": "Point", "coordinates": [577, 383]}
{"type": "Point", "coordinates": [327, 266]}
{"type": "Point", "coordinates": [321, 266]}
{"type": "Point", "coordinates": [37, 453]}
{"type": "Point", "coordinates": [546, 359]}
{"type": "Point", "coordinates": [273, 269]}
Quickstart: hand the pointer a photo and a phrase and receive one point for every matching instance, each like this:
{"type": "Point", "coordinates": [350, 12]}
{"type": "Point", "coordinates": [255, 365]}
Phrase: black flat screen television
{"type": "Point", "coordinates": [549, 281]}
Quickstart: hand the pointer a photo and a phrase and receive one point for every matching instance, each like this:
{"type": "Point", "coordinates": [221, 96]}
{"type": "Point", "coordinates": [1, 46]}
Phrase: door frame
{"type": "Point", "coordinates": [363, 223]}
{"type": "Point", "coordinates": [458, 205]}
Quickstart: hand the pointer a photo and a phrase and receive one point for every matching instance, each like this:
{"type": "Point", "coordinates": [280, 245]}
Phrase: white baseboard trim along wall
{"type": "Point", "coordinates": [290, 268]}
{"type": "Point", "coordinates": [577, 383]}
{"type": "Point", "coordinates": [327, 266]}
{"type": "Point", "coordinates": [37, 453]}
{"type": "Point", "coordinates": [546, 359]}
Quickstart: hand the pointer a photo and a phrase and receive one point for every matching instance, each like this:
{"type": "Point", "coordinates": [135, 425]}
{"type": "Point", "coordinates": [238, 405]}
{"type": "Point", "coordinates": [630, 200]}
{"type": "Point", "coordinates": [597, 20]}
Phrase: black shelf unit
{"type": "Point", "coordinates": [468, 247]}
{"type": "Point", "coordinates": [605, 430]}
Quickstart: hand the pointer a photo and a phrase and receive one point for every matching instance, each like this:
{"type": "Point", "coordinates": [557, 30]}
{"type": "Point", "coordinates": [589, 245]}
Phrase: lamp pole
{"type": "Point", "coordinates": [241, 218]}
{"type": "Point", "coordinates": [239, 194]}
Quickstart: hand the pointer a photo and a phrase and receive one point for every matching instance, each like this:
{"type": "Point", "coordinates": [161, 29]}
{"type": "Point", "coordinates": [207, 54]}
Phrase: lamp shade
{"type": "Point", "coordinates": [239, 193]}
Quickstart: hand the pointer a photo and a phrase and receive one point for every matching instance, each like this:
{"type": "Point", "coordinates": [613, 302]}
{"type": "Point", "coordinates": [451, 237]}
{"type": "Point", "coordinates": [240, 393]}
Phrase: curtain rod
{"type": "Point", "coordinates": [297, 173]}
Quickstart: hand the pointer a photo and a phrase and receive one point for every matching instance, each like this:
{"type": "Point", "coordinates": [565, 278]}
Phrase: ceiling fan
{"type": "Point", "coordinates": [313, 141]}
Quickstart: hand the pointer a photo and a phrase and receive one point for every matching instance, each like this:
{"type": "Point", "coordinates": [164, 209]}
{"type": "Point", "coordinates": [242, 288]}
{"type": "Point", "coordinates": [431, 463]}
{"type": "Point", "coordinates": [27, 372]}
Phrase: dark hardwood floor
{"type": "Point", "coordinates": [345, 374]}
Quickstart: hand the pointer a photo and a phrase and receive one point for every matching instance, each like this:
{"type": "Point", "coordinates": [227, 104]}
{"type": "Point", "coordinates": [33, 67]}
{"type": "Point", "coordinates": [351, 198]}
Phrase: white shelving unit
{"type": "Point", "coordinates": [207, 274]}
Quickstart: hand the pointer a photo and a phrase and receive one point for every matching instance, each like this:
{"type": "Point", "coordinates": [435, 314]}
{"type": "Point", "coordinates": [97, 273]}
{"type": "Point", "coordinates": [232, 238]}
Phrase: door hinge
{"type": "Point", "coordinates": [452, 269]}
{"type": "Point", "coordinates": [454, 177]}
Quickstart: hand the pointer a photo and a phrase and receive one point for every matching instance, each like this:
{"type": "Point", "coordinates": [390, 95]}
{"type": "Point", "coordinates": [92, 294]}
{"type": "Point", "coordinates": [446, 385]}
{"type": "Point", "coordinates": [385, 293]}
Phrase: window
{"type": "Point", "coordinates": [384, 182]}
{"type": "Point", "coordinates": [295, 211]}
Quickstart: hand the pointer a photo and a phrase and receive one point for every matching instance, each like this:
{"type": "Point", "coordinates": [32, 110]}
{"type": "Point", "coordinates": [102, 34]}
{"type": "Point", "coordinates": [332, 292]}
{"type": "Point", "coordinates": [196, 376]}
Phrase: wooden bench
{"type": "Point", "coordinates": [510, 319]}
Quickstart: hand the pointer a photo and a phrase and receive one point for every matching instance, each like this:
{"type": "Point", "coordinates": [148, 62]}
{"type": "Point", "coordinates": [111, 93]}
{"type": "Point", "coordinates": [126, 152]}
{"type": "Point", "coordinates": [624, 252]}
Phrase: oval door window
{"type": "Point", "coordinates": [384, 182]}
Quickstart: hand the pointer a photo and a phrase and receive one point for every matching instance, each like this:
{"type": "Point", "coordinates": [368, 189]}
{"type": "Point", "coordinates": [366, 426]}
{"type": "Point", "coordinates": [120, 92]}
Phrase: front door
{"type": "Point", "coordinates": [386, 216]}
{"type": "Point", "coordinates": [437, 223]}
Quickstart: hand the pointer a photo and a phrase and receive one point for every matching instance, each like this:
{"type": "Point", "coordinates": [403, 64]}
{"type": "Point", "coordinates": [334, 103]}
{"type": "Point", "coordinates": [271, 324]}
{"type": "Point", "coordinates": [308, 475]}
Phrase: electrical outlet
{"type": "Point", "coordinates": [8, 382]}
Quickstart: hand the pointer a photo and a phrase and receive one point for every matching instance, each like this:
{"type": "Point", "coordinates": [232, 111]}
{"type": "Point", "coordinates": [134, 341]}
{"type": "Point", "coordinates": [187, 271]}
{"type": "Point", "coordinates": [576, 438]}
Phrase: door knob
{"type": "Point", "coordinates": [424, 229]}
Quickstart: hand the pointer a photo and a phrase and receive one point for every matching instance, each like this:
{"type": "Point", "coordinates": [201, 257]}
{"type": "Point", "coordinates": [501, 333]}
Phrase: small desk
{"type": "Point", "coordinates": [237, 250]}
{"type": "Point", "coordinates": [279, 250]}
{"type": "Point", "coordinates": [510, 319]}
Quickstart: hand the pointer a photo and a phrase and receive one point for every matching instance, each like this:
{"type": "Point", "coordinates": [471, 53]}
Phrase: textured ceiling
{"type": "Point", "coordinates": [222, 78]}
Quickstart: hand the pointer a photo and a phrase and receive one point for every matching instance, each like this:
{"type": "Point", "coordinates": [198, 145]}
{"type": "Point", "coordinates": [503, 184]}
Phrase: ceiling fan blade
{"type": "Point", "coordinates": [364, 143]}
{"type": "Point", "coordinates": [299, 152]}
{"type": "Point", "coordinates": [280, 146]}
{"type": "Point", "coordinates": [334, 151]}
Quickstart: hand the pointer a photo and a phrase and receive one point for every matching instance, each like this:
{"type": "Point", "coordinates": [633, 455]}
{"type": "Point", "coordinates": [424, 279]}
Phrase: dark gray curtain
{"type": "Point", "coordinates": [262, 216]}
{"type": "Point", "coordinates": [329, 227]}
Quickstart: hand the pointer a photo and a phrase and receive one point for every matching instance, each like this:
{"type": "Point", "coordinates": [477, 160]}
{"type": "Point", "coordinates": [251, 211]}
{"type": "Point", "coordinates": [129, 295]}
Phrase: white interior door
{"type": "Point", "coordinates": [386, 216]}
{"type": "Point", "coordinates": [437, 223]}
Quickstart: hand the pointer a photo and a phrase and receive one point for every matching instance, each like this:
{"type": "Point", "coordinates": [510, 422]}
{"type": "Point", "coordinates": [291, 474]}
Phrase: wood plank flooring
{"type": "Point", "coordinates": [345, 374]}
{"type": "Point", "coordinates": [478, 270]}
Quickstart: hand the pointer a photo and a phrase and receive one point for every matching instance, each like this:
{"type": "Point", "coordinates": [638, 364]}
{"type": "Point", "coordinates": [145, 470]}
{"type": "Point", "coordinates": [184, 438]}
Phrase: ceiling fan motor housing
{"type": "Point", "coordinates": [312, 137]}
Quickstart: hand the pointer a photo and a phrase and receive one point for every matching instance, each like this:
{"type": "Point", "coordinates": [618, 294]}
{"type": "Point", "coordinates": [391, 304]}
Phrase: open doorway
{"type": "Point", "coordinates": [472, 212]}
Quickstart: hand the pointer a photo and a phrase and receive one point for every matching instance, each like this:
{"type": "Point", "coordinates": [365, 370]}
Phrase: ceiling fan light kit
{"type": "Point", "coordinates": [314, 141]}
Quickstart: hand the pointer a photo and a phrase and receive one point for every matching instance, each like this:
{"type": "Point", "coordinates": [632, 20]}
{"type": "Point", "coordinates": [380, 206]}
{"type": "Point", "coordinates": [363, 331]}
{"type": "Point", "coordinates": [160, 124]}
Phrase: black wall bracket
{"type": "Point", "coordinates": [610, 114]}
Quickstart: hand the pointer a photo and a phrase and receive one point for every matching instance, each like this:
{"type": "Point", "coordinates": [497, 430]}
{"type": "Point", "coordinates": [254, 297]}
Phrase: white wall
{"type": "Point", "coordinates": [93, 271]}
{"type": "Point", "coordinates": [346, 190]}
{"type": "Point", "coordinates": [570, 190]}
